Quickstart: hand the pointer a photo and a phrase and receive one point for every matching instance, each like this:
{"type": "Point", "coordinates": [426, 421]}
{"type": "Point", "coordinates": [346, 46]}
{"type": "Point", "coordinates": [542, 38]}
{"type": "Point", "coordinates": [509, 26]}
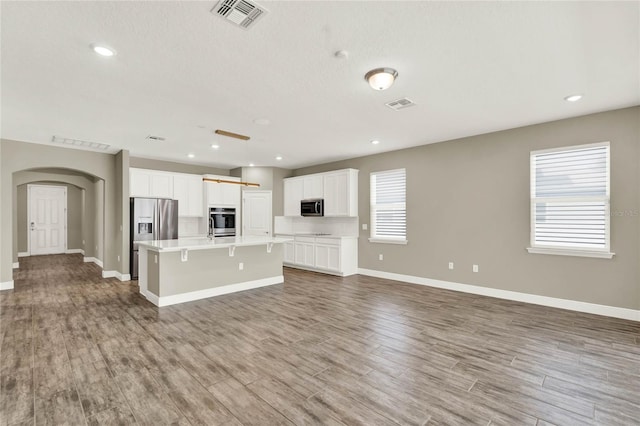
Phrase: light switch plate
{"type": "Point", "coordinates": [365, 226]}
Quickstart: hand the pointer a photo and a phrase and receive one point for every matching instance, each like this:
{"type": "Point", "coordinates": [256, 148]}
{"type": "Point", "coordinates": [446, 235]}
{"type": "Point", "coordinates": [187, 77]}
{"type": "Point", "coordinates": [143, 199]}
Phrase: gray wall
{"type": "Point", "coordinates": [170, 166]}
{"type": "Point", "coordinates": [74, 215]}
{"type": "Point", "coordinates": [269, 178]}
{"type": "Point", "coordinates": [20, 156]}
{"type": "Point", "coordinates": [468, 202]}
{"type": "Point", "coordinates": [69, 179]}
{"type": "Point", "coordinates": [99, 209]}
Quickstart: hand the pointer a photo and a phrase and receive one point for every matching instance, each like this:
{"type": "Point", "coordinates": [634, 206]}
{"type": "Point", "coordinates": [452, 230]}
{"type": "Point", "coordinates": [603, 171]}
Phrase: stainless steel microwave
{"type": "Point", "coordinates": [313, 207]}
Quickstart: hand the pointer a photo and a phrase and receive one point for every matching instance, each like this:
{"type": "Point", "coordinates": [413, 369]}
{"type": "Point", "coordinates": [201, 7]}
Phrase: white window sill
{"type": "Point", "coordinates": [386, 241]}
{"type": "Point", "coordinates": [570, 252]}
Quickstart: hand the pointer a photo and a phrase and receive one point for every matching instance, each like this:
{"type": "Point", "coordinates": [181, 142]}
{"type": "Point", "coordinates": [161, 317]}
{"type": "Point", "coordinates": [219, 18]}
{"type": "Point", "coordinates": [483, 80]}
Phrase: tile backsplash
{"type": "Point", "coordinates": [341, 226]}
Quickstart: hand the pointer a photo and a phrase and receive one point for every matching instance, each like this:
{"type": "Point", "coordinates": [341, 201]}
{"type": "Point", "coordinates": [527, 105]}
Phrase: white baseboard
{"type": "Point", "coordinates": [23, 254]}
{"type": "Point", "coordinates": [72, 251]}
{"type": "Point", "coordinates": [116, 274]}
{"type": "Point", "coordinates": [7, 285]}
{"type": "Point", "coordinates": [16, 265]}
{"type": "Point", "coordinates": [94, 260]}
{"type": "Point", "coordinates": [211, 292]}
{"type": "Point", "coordinates": [151, 298]}
{"type": "Point", "coordinates": [572, 305]}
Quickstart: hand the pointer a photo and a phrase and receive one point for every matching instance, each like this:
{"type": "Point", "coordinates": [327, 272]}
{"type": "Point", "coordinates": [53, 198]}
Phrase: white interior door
{"type": "Point", "coordinates": [256, 213]}
{"type": "Point", "coordinates": [47, 219]}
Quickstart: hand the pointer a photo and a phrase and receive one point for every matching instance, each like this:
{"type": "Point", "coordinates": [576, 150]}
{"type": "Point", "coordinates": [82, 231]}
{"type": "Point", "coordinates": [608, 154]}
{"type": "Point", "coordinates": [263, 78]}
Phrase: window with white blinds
{"type": "Point", "coordinates": [388, 206]}
{"type": "Point", "coordinates": [570, 199]}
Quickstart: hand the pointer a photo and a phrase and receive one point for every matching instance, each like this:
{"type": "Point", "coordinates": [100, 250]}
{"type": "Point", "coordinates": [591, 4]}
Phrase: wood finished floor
{"type": "Point", "coordinates": [79, 349]}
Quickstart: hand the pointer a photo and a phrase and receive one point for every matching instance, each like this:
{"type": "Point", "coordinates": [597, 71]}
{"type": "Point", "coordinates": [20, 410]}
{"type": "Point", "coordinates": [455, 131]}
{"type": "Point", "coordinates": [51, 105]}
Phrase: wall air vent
{"type": "Point", "coordinates": [399, 104]}
{"type": "Point", "coordinates": [156, 138]}
{"type": "Point", "coordinates": [243, 13]}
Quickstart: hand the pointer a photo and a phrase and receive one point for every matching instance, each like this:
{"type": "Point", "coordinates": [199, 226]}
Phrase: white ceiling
{"type": "Point", "coordinates": [181, 72]}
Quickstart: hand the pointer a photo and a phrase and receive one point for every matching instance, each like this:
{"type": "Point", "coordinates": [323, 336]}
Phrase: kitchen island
{"type": "Point", "coordinates": [183, 270]}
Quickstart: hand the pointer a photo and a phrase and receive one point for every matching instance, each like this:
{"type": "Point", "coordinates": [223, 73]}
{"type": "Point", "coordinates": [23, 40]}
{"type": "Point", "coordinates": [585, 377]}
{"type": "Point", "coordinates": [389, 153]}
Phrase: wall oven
{"type": "Point", "coordinates": [222, 221]}
{"type": "Point", "coordinates": [313, 207]}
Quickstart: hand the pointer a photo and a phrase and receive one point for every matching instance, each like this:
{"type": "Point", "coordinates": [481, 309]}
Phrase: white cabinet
{"type": "Point", "coordinates": [139, 182]}
{"type": "Point", "coordinates": [304, 253]}
{"type": "Point", "coordinates": [312, 186]}
{"type": "Point", "coordinates": [337, 256]}
{"type": "Point", "coordinates": [150, 183]}
{"type": "Point", "coordinates": [187, 189]}
{"type": "Point", "coordinates": [293, 194]}
{"type": "Point", "coordinates": [327, 257]}
{"type": "Point", "coordinates": [339, 189]}
{"type": "Point", "coordinates": [223, 194]}
{"type": "Point", "coordinates": [289, 252]}
{"type": "Point", "coordinates": [341, 193]}
{"type": "Point", "coordinates": [161, 185]}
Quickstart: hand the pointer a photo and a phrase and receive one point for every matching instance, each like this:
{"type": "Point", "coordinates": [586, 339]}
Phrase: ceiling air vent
{"type": "Point", "coordinates": [399, 104]}
{"type": "Point", "coordinates": [156, 138]}
{"type": "Point", "coordinates": [243, 13]}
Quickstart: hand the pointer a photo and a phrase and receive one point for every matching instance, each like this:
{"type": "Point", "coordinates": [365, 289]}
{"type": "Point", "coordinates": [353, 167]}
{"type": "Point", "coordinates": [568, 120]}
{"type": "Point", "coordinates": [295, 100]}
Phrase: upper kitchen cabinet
{"type": "Point", "coordinates": [223, 194]}
{"type": "Point", "coordinates": [339, 189]}
{"type": "Point", "coordinates": [187, 189]}
{"type": "Point", "coordinates": [293, 194]}
{"type": "Point", "coordinates": [150, 183]}
{"type": "Point", "coordinates": [341, 193]}
{"type": "Point", "coordinates": [312, 187]}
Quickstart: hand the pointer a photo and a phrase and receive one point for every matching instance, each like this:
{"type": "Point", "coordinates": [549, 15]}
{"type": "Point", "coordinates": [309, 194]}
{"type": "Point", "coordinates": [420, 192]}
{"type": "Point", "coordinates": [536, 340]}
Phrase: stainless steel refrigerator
{"type": "Point", "coordinates": [151, 219]}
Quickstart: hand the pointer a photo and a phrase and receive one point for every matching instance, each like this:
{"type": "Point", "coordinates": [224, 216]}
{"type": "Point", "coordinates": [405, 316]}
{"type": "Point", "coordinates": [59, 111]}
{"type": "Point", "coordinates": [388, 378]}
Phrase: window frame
{"type": "Point", "coordinates": [534, 248]}
{"type": "Point", "coordinates": [373, 208]}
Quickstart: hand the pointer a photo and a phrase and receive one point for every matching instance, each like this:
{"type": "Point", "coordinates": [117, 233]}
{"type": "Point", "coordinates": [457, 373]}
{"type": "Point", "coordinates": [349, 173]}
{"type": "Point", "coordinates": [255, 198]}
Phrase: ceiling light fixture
{"type": "Point", "coordinates": [214, 146]}
{"type": "Point", "coordinates": [573, 98]}
{"type": "Point", "coordinates": [102, 50]}
{"type": "Point", "coordinates": [279, 157]}
{"type": "Point", "coordinates": [375, 142]}
{"type": "Point", "coordinates": [191, 155]}
{"type": "Point", "coordinates": [381, 78]}
{"type": "Point", "coordinates": [251, 164]}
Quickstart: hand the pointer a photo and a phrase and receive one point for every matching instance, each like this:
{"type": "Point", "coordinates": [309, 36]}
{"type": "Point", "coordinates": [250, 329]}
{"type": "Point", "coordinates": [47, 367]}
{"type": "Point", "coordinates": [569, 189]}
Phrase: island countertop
{"type": "Point", "coordinates": [205, 243]}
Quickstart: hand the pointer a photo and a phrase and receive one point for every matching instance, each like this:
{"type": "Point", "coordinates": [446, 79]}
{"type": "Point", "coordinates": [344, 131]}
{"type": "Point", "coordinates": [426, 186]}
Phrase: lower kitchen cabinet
{"type": "Point", "coordinates": [332, 255]}
{"type": "Point", "coordinates": [328, 257]}
{"type": "Point", "coordinates": [305, 249]}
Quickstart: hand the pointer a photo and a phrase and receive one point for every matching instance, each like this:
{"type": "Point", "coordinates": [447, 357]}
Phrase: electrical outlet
{"type": "Point", "coordinates": [475, 268]}
{"type": "Point", "coordinates": [364, 226]}
{"type": "Point", "coordinates": [82, 242]}
{"type": "Point", "coordinates": [240, 266]}
{"type": "Point", "coordinates": [380, 257]}
{"type": "Point", "coordinates": [450, 265]}
{"type": "Point", "coordinates": [118, 258]}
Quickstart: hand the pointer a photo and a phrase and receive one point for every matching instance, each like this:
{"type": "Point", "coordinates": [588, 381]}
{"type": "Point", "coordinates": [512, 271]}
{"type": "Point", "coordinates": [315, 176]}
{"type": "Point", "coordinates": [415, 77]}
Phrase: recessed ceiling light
{"type": "Point", "coordinates": [251, 164]}
{"type": "Point", "coordinates": [262, 121]}
{"type": "Point", "coordinates": [375, 142]}
{"type": "Point", "coordinates": [573, 98]}
{"type": "Point", "coordinates": [214, 146]}
{"type": "Point", "coordinates": [102, 50]}
{"type": "Point", "coordinates": [279, 157]}
{"type": "Point", "coordinates": [191, 155]}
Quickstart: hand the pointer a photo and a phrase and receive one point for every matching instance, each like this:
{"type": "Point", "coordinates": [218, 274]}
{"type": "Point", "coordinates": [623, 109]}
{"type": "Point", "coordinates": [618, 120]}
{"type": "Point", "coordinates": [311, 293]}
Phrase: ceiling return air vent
{"type": "Point", "coordinates": [399, 104]}
{"type": "Point", "coordinates": [243, 13]}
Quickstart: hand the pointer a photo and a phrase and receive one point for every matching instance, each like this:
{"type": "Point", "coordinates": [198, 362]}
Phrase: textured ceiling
{"type": "Point", "coordinates": [181, 72]}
